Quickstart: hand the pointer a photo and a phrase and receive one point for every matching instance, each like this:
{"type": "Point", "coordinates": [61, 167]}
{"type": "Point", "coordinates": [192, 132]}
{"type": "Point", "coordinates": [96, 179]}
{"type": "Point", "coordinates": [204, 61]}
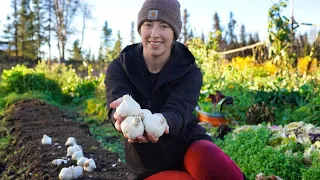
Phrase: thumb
{"type": "Point", "coordinates": [116, 103]}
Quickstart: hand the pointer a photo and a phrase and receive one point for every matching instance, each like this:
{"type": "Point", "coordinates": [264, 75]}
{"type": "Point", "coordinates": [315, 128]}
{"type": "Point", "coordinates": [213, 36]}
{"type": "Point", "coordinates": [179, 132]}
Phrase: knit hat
{"type": "Point", "coordinates": [167, 11]}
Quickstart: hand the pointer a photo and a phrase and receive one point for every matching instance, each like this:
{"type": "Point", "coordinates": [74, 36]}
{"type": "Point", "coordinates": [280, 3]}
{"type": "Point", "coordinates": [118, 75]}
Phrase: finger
{"type": "Point", "coordinates": [133, 141]}
{"type": "Point", "coordinates": [117, 117]}
{"type": "Point", "coordinates": [166, 130]}
{"type": "Point", "coordinates": [143, 139]}
{"type": "Point", "coordinates": [117, 125]}
{"type": "Point", "coordinates": [152, 138]}
{"type": "Point", "coordinates": [116, 103]}
{"type": "Point", "coordinates": [125, 136]}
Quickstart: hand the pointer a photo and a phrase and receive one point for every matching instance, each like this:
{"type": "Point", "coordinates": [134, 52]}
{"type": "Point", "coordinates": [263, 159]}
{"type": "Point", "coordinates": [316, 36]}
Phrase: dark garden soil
{"type": "Point", "coordinates": [27, 158]}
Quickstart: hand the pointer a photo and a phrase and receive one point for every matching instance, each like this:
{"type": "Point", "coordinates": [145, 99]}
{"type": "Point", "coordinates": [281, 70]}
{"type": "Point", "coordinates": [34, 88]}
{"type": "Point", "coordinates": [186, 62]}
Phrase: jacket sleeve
{"type": "Point", "coordinates": [182, 101]}
{"type": "Point", "coordinates": [117, 84]}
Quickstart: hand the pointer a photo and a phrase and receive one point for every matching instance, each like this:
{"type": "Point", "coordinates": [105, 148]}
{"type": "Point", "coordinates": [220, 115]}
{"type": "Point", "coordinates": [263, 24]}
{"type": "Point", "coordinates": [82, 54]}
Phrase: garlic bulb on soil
{"type": "Point", "coordinates": [128, 107]}
{"type": "Point", "coordinates": [73, 149]}
{"type": "Point", "coordinates": [89, 165]}
{"type": "Point", "coordinates": [132, 127]}
{"type": "Point", "coordinates": [154, 125]}
{"type": "Point", "coordinates": [71, 173]}
{"type": "Point", "coordinates": [71, 141]}
{"type": "Point", "coordinates": [77, 155]}
{"type": "Point", "coordinates": [59, 162]}
{"type": "Point", "coordinates": [46, 139]}
{"type": "Point", "coordinates": [81, 161]}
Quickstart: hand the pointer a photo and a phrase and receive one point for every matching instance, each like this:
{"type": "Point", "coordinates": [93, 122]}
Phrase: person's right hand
{"type": "Point", "coordinates": [118, 118]}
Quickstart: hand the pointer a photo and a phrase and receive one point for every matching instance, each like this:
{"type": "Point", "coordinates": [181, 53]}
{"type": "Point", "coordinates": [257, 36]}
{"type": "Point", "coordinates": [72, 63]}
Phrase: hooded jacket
{"type": "Point", "coordinates": [175, 95]}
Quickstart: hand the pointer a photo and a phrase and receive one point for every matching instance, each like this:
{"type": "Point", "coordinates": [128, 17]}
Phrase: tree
{"type": "Point", "coordinates": [186, 31]}
{"type": "Point", "coordinates": [64, 11]}
{"type": "Point", "coordinates": [76, 53]}
{"type": "Point", "coordinates": [243, 35]}
{"type": "Point", "coordinates": [231, 38]}
{"type": "Point", "coordinates": [106, 33]}
{"type": "Point", "coordinates": [133, 31]}
{"type": "Point", "coordinates": [86, 14]}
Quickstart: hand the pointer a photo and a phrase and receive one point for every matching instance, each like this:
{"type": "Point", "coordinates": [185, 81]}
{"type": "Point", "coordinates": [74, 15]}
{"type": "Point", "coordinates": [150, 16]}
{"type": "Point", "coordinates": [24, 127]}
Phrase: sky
{"type": "Point", "coordinates": [252, 13]}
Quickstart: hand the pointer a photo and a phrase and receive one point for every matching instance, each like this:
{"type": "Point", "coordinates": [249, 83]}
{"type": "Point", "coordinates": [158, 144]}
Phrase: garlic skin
{"type": "Point", "coordinates": [65, 174]}
{"type": "Point", "coordinates": [58, 162]}
{"type": "Point", "coordinates": [89, 165]}
{"type": "Point", "coordinates": [145, 112]}
{"type": "Point", "coordinates": [73, 149]}
{"type": "Point", "coordinates": [132, 127]}
{"type": "Point", "coordinates": [154, 125]}
{"type": "Point", "coordinates": [128, 107]}
{"type": "Point", "coordinates": [46, 140]}
{"type": "Point", "coordinates": [71, 141]}
{"type": "Point", "coordinates": [81, 161]}
{"type": "Point", "coordinates": [77, 155]}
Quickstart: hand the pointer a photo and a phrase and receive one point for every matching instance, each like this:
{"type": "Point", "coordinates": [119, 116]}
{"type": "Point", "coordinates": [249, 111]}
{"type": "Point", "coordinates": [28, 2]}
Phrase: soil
{"type": "Point", "coordinates": [27, 158]}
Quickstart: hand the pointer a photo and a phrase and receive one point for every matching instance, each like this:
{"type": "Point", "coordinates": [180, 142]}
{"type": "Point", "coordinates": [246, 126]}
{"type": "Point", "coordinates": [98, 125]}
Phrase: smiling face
{"type": "Point", "coordinates": [157, 38]}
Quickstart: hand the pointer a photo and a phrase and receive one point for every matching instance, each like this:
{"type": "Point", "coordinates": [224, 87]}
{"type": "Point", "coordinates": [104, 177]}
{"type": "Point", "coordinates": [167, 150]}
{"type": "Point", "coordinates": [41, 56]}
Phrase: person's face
{"type": "Point", "coordinates": [157, 38]}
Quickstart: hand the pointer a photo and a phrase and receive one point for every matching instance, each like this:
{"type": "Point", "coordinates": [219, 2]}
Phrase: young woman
{"type": "Point", "coordinates": [162, 76]}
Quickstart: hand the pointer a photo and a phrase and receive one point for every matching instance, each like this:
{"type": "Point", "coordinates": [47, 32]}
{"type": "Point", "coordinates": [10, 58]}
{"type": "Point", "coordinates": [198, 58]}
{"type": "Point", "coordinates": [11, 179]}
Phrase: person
{"type": "Point", "coordinates": [161, 75]}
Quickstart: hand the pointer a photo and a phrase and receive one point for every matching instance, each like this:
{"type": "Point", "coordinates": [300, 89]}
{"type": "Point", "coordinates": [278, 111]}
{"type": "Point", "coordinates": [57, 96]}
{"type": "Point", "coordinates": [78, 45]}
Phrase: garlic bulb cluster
{"type": "Point", "coordinates": [73, 149]}
{"type": "Point", "coordinates": [132, 127]}
{"type": "Point", "coordinates": [46, 140]}
{"type": "Point", "coordinates": [154, 125]}
{"type": "Point", "coordinates": [77, 155]}
{"type": "Point", "coordinates": [89, 165]}
{"type": "Point", "coordinates": [81, 161]}
{"type": "Point", "coordinates": [71, 141]}
{"type": "Point", "coordinates": [72, 172]}
{"type": "Point", "coordinates": [128, 107]}
{"type": "Point", "coordinates": [145, 112]}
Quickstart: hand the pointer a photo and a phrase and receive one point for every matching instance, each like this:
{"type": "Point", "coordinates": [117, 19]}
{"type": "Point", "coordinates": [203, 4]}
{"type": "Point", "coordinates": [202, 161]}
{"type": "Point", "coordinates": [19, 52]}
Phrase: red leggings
{"type": "Point", "coordinates": [203, 161]}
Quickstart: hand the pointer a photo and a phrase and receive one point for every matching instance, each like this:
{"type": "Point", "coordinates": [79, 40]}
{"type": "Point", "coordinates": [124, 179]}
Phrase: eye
{"type": "Point", "coordinates": [148, 24]}
{"type": "Point", "coordinates": [164, 26]}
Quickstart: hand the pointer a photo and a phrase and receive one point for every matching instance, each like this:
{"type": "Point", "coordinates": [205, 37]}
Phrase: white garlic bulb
{"type": "Point", "coordinates": [77, 172]}
{"type": "Point", "coordinates": [132, 127]}
{"type": "Point", "coordinates": [154, 125]}
{"type": "Point", "coordinates": [81, 161]}
{"type": "Point", "coordinates": [71, 141]}
{"type": "Point", "coordinates": [59, 161]}
{"type": "Point", "coordinates": [46, 139]}
{"type": "Point", "coordinates": [145, 112]}
{"type": "Point", "coordinates": [89, 165]}
{"type": "Point", "coordinates": [128, 107]}
{"type": "Point", "coordinates": [65, 174]}
{"type": "Point", "coordinates": [77, 155]}
{"type": "Point", "coordinates": [73, 149]}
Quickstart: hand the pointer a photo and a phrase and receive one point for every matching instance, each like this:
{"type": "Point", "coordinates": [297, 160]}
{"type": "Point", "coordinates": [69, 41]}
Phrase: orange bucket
{"type": "Point", "coordinates": [213, 119]}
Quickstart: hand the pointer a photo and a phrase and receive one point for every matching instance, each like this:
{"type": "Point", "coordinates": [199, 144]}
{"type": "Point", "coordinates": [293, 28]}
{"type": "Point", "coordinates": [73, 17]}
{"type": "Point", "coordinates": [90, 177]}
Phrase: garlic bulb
{"type": "Point", "coordinates": [71, 141]}
{"type": "Point", "coordinates": [59, 161]}
{"type": "Point", "coordinates": [81, 161]}
{"type": "Point", "coordinates": [145, 112]}
{"type": "Point", "coordinates": [89, 165]}
{"type": "Point", "coordinates": [132, 127]}
{"type": "Point", "coordinates": [71, 173]}
{"type": "Point", "coordinates": [154, 125]}
{"type": "Point", "coordinates": [77, 172]}
{"type": "Point", "coordinates": [77, 155]}
{"type": "Point", "coordinates": [65, 174]}
{"type": "Point", "coordinates": [128, 107]}
{"type": "Point", "coordinates": [73, 149]}
{"type": "Point", "coordinates": [46, 139]}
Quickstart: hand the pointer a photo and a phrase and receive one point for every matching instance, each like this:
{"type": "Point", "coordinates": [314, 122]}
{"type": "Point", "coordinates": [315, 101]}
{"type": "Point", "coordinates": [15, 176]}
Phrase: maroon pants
{"type": "Point", "coordinates": [203, 161]}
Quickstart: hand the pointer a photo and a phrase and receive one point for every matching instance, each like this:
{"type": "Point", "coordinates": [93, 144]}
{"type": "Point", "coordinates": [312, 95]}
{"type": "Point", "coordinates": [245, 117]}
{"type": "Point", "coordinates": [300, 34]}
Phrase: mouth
{"type": "Point", "coordinates": [155, 43]}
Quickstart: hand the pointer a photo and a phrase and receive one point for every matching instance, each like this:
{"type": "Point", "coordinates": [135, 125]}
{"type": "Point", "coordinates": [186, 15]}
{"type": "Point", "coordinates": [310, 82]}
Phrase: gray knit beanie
{"type": "Point", "coordinates": [167, 11]}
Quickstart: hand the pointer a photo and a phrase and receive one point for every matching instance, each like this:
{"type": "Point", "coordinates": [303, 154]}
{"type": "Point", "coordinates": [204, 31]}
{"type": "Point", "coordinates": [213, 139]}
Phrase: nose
{"type": "Point", "coordinates": [155, 32]}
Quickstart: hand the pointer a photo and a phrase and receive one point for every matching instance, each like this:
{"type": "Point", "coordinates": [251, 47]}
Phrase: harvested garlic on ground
{"type": "Point", "coordinates": [81, 161]}
{"type": "Point", "coordinates": [71, 141]}
{"type": "Point", "coordinates": [128, 107]}
{"type": "Point", "coordinates": [46, 139]}
{"type": "Point", "coordinates": [59, 162]}
{"type": "Point", "coordinates": [89, 165]}
{"type": "Point", "coordinates": [132, 127]}
{"type": "Point", "coordinates": [77, 171]}
{"type": "Point", "coordinates": [145, 112]}
{"type": "Point", "coordinates": [73, 149]}
{"type": "Point", "coordinates": [65, 174]}
{"type": "Point", "coordinates": [154, 125]}
{"type": "Point", "coordinates": [77, 155]}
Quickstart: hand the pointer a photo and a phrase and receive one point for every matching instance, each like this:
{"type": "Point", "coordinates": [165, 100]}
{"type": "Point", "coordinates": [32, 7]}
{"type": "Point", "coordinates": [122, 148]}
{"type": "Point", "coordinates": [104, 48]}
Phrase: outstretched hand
{"type": "Point", "coordinates": [118, 118]}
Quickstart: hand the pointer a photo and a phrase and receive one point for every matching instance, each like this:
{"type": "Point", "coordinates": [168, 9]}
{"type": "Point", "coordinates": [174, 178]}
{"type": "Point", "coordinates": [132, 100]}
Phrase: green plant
{"type": "Point", "coordinates": [214, 103]}
{"type": "Point", "coordinates": [259, 113]}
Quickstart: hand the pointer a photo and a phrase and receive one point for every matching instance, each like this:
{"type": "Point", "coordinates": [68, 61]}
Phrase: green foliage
{"type": "Point", "coordinates": [250, 151]}
{"type": "Point", "coordinates": [313, 172]}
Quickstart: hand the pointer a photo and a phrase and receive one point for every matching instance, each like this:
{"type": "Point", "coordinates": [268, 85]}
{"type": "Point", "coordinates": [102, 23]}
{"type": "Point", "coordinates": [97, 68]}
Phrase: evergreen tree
{"type": "Point", "coordinates": [186, 32]}
{"type": "Point", "coordinates": [133, 31]}
{"type": "Point", "coordinates": [243, 35]}
{"type": "Point", "coordinates": [76, 53]}
{"type": "Point", "coordinates": [107, 33]}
